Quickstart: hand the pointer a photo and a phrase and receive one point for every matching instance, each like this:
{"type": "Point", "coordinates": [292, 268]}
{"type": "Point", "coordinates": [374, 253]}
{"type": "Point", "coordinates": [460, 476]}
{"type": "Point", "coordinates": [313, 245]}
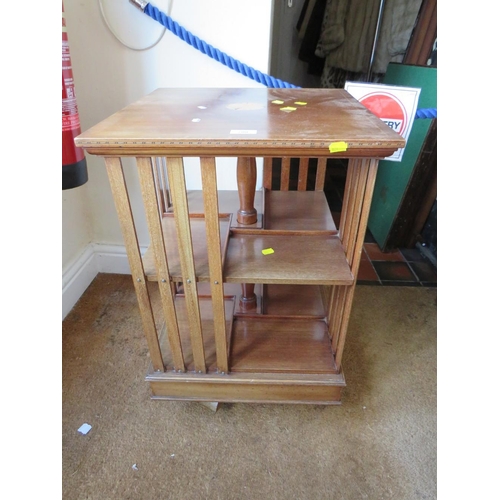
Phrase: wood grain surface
{"type": "Point", "coordinates": [302, 259]}
{"type": "Point", "coordinates": [242, 122]}
{"type": "Point", "coordinates": [274, 345]}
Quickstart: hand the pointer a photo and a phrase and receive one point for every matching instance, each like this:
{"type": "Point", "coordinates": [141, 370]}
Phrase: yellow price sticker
{"type": "Point", "coordinates": [267, 251]}
{"type": "Point", "coordinates": [277, 101]}
{"type": "Point", "coordinates": [337, 147]}
{"type": "Point", "coordinates": [300, 103]}
{"type": "Point", "coordinates": [288, 109]}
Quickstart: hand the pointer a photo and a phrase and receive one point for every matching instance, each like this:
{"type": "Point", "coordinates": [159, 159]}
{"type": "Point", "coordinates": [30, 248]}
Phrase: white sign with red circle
{"type": "Point", "coordinates": [396, 106]}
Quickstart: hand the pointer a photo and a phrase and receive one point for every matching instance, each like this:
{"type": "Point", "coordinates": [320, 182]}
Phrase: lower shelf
{"type": "Point", "coordinates": [290, 301]}
{"type": "Point", "coordinates": [270, 345]}
{"type": "Point", "coordinates": [271, 359]}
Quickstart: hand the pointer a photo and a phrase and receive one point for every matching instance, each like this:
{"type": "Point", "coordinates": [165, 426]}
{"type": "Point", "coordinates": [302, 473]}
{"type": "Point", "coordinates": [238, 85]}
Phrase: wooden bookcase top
{"type": "Point", "coordinates": [242, 121]}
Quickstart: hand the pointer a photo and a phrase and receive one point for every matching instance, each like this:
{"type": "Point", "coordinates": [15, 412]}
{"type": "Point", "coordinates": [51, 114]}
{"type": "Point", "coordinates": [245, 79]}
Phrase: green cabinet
{"type": "Point", "coordinates": [393, 177]}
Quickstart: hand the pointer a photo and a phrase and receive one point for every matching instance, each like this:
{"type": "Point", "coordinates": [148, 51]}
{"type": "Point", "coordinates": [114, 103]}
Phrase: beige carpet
{"type": "Point", "coordinates": [379, 444]}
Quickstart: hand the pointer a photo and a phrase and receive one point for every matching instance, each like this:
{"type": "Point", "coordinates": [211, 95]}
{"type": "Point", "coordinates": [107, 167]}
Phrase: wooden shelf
{"type": "Point", "coordinates": [199, 237]}
{"type": "Point", "coordinates": [298, 211]}
{"type": "Point", "coordinates": [207, 325]}
{"type": "Point", "coordinates": [291, 301]}
{"type": "Point", "coordinates": [297, 259]}
{"type": "Point", "coordinates": [267, 345]}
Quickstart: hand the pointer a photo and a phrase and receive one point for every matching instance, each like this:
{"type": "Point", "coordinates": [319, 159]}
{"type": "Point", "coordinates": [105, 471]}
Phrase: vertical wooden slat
{"type": "Point", "coordinates": [161, 181]}
{"type": "Point", "coordinates": [268, 173]}
{"type": "Point", "coordinates": [303, 169]}
{"type": "Point", "coordinates": [350, 241]}
{"type": "Point", "coordinates": [211, 204]}
{"type": "Point", "coordinates": [366, 203]}
{"type": "Point", "coordinates": [352, 206]}
{"type": "Point", "coordinates": [146, 166]}
{"type": "Point", "coordinates": [371, 167]}
{"type": "Point", "coordinates": [355, 187]}
{"type": "Point", "coordinates": [349, 202]}
{"type": "Point", "coordinates": [126, 218]}
{"type": "Point", "coordinates": [166, 193]}
{"type": "Point", "coordinates": [285, 174]}
{"type": "Point", "coordinates": [177, 185]}
{"type": "Point", "coordinates": [160, 176]}
{"type": "Point", "coordinates": [319, 186]}
{"type": "Point", "coordinates": [335, 314]}
{"type": "Point", "coordinates": [321, 174]}
{"type": "Point", "coordinates": [357, 173]}
{"type": "Point", "coordinates": [158, 186]}
{"type": "Point", "coordinates": [348, 188]}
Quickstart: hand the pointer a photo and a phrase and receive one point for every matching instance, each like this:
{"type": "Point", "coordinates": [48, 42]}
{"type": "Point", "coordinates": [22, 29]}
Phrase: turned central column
{"type": "Point", "coordinates": [246, 174]}
{"type": "Point", "coordinates": [247, 179]}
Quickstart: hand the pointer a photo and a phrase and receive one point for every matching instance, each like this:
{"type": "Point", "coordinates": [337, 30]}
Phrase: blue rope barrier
{"type": "Point", "coordinates": [229, 61]}
{"type": "Point", "coordinates": [426, 113]}
{"type": "Point", "coordinates": [212, 52]}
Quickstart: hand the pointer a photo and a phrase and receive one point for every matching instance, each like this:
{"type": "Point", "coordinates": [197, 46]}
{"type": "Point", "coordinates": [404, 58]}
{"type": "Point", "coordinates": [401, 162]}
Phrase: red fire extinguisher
{"type": "Point", "coordinates": [74, 163]}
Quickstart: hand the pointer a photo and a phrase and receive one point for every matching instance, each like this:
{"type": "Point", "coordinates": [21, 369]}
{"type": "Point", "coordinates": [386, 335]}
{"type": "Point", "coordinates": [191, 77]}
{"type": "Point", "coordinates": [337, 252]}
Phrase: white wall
{"type": "Point", "coordinates": [109, 76]}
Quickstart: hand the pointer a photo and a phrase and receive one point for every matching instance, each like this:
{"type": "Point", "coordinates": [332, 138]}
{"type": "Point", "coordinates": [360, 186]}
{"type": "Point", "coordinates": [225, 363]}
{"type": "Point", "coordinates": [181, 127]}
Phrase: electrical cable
{"type": "Point", "coordinates": [112, 31]}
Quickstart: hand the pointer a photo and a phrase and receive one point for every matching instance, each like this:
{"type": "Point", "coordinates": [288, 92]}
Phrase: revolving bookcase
{"type": "Point", "coordinates": [256, 285]}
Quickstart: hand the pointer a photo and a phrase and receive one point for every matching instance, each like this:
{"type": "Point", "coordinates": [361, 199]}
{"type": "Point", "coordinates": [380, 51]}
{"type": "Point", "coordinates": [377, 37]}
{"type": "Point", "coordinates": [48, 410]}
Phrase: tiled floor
{"type": "Point", "coordinates": [402, 267]}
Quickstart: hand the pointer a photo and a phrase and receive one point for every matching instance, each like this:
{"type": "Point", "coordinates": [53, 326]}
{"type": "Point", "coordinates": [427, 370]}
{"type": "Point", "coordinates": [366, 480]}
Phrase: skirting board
{"type": "Point", "coordinates": [79, 274]}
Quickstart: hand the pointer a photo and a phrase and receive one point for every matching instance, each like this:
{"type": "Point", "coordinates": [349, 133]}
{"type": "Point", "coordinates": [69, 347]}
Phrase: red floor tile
{"type": "Point", "coordinates": [366, 271]}
{"type": "Point", "coordinates": [394, 271]}
{"type": "Point", "coordinates": [374, 252]}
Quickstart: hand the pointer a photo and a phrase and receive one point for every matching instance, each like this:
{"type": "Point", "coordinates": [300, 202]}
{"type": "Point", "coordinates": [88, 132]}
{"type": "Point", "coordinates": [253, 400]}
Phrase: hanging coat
{"type": "Point", "coordinates": [348, 32]}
